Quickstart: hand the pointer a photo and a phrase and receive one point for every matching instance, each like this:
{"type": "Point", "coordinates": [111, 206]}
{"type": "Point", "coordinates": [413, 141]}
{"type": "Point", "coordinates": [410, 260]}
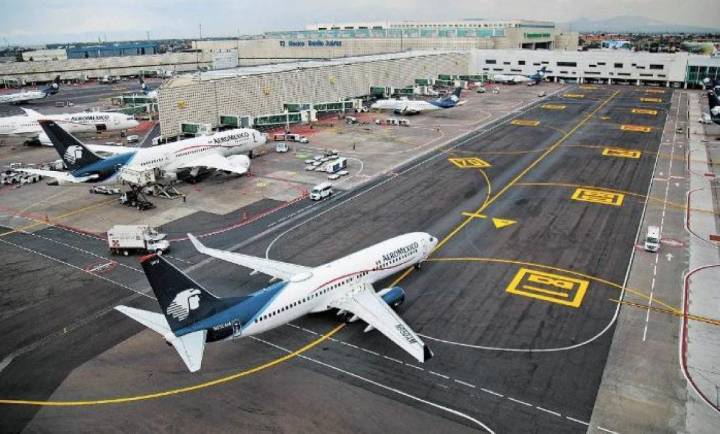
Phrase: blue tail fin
{"type": "Point", "coordinates": [183, 301]}
{"type": "Point", "coordinates": [71, 150]}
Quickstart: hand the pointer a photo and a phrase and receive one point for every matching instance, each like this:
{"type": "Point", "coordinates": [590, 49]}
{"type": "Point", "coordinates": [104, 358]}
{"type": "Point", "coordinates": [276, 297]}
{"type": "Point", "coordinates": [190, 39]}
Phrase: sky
{"type": "Point", "coordinates": [54, 21]}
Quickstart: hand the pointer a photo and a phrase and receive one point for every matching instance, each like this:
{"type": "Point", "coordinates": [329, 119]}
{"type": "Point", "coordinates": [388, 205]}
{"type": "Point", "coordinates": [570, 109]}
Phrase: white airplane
{"type": "Point", "coordinates": [192, 316]}
{"type": "Point", "coordinates": [27, 126]}
{"type": "Point", "coordinates": [16, 98]}
{"type": "Point", "coordinates": [412, 107]}
{"type": "Point", "coordinates": [514, 79]}
{"type": "Point", "coordinates": [219, 151]}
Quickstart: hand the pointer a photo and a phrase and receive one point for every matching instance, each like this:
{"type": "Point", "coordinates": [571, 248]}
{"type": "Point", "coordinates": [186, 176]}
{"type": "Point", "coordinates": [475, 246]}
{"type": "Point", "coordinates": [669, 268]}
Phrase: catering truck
{"type": "Point", "coordinates": [126, 239]}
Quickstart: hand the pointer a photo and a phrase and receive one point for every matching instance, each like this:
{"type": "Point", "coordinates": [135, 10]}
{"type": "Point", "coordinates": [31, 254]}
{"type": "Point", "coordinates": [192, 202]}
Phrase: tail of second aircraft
{"type": "Point", "coordinates": [714, 104]}
{"type": "Point", "coordinates": [183, 301]}
{"type": "Point", "coordinates": [71, 150]}
{"type": "Point", "coordinates": [53, 88]}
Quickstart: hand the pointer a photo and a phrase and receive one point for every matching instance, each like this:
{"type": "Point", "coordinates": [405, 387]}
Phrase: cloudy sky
{"type": "Point", "coordinates": [33, 22]}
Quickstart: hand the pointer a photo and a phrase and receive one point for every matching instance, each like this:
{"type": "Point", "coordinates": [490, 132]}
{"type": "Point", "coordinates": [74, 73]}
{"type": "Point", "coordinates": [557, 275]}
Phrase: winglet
{"type": "Point", "coordinates": [200, 247]}
{"type": "Point", "coordinates": [427, 354]}
{"type": "Point", "coordinates": [31, 113]}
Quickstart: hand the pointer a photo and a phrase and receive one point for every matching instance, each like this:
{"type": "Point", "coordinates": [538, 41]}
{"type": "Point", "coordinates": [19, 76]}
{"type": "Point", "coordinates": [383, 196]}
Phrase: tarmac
{"type": "Point", "coordinates": [537, 210]}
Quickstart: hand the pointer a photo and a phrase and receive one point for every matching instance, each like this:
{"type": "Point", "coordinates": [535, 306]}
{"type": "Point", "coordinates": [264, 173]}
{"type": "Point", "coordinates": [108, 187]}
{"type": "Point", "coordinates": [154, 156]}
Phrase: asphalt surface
{"type": "Point", "coordinates": [503, 360]}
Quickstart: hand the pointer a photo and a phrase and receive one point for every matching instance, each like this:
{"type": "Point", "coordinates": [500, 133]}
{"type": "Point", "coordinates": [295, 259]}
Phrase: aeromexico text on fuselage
{"type": "Point", "coordinates": [224, 139]}
{"type": "Point", "coordinates": [412, 248]}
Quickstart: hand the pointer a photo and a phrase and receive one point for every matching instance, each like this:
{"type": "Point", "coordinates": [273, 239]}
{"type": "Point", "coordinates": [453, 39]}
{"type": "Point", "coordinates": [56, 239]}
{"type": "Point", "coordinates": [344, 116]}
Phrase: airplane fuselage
{"type": "Point", "coordinates": [174, 156]}
{"type": "Point", "coordinates": [311, 292]}
{"type": "Point", "coordinates": [28, 127]}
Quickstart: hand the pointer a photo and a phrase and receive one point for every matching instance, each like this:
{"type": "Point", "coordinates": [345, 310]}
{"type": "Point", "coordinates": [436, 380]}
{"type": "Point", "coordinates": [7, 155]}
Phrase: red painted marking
{"type": "Point", "coordinates": [147, 257]}
{"type": "Point", "coordinates": [714, 237]}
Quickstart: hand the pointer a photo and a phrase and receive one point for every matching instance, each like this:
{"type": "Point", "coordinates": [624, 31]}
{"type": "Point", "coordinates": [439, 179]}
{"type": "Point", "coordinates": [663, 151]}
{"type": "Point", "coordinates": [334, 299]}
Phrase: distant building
{"type": "Point", "coordinates": [42, 55]}
{"type": "Point", "coordinates": [112, 50]}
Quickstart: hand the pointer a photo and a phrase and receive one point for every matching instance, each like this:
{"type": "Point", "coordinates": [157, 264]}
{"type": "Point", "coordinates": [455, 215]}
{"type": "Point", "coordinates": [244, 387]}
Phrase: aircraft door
{"type": "Point", "coordinates": [237, 328]}
{"type": "Point", "coordinates": [100, 127]}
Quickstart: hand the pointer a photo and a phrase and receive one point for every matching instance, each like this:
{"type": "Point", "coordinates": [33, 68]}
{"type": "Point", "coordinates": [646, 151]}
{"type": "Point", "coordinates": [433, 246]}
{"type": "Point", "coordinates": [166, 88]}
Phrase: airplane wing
{"type": "Point", "coordinates": [216, 161]}
{"type": "Point", "coordinates": [277, 269]}
{"type": "Point", "coordinates": [110, 149]}
{"type": "Point", "coordinates": [60, 176]}
{"type": "Point", "coordinates": [371, 308]}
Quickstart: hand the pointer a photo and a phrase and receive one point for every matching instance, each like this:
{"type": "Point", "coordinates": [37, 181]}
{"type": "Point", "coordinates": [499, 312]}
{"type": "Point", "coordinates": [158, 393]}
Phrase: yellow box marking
{"type": "Point", "coordinates": [651, 100]}
{"type": "Point", "coordinates": [553, 106]}
{"type": "Point", "coordinates": [654, 91]}
{"type": "Point", "coordinates": [574, 95]}
{"type": "Point", "coordinates": [469, 163]}
{"type": "Point", "coordinates": [636, 128]}
{"type": "Point", "coordinates": [639, 111]}
{"type": "Point", "coordinates": [588, 86]}
{"type": "Point", "coordinates": [525, 122]}
{"type": "Point", "coordinates": [623, 153]}
{"type": "Point", "coordinates": [568, 291]}
{"type": "Point", "coordinates": [598, 196]}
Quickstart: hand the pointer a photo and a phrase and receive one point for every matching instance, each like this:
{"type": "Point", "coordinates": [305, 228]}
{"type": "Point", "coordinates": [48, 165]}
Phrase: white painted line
{"type": "Point", "coordinates": [577, 420]}
{"type": "Point", "coordinates": [606, 430]}
{"type": "Point", "coordinates": [413, 366]}
{"type": "Point", "coordinates": [491, 392]}
{"type": "Point", "coordinates": [554, 413]}
{"type": "Point", "coordinates": [393, 360]}
{"type": "Point", "coordinates": [527, 404]}
{"type": "Point", "coordinates": [370, 352]}
{"type": "Point", "coordinates": [382, 386]}
{"type": "Point", "coordinates": [6, 361]}
{"type": "Point", "coordinates": [349, 344]}
{"type": "Point", "coordinates": [439, 375]}
{"type": "Point", "coordinates": [464, 383]}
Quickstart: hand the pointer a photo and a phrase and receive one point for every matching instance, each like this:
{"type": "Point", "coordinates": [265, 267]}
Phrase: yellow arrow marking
{"type": "Point", "coordinates": [501, 223]}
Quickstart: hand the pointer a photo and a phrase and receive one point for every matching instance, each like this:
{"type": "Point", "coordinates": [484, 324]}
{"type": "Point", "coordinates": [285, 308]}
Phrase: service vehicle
{"type": "Point", "coordinates": [281, 147]}
{"type": "Point", "coordinates": [321, 191]}
{"type": "Point", "coordinates": [652, 239]}
{"type": "Point", "coordinates": [134, 138]}
{"type": "Point", "coordinates": [705, 119]}
{"type": "Point", "coordinates": [135, 200]}
{"type": "Point", "coordinates": [480, 89]}
{"type": "Point", "coordinates": [336, 166]}
{"type": "Point", "coordinates": [101, 189]}
{"type": "Point", "coordinates": [126, 239]}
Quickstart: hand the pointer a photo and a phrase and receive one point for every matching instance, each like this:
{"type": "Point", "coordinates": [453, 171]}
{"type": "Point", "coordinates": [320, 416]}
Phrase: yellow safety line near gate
{"type": "Point", "coordinates": [61, 216]}
{"type": "Point", "coordinates": [180, 390]}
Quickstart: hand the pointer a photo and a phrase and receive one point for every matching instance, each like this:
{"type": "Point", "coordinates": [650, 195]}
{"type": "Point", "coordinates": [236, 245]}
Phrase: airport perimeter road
{"type": "Point", "coordinates": [537, 219]}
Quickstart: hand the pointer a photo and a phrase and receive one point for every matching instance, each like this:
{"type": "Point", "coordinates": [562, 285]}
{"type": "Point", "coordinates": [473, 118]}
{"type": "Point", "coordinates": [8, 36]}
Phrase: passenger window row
{"type": "Point", "coordinates": [306, 299]}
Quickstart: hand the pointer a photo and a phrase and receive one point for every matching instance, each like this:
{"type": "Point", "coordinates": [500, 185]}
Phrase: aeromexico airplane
{"type": "Point", "coordinates": [412, 107]}
{"type": "Point", "coordinates": [27, 126]}
{"type": "Point", "coordinates": [19, 97]}
{"type": "Point", "coordinates": [222, 151]}
{"type": "Point", "coordinates": [518, 78]}
{"type": "Point", "coordinates": [192, 316]}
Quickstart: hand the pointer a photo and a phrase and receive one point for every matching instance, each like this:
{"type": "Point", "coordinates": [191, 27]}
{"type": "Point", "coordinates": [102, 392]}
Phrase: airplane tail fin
{"type": "Point", "coordinates": [71, 150]}
{"type": "Point", "coordinates": [54, 87]}
{"type": "Point", "coordinates": [183, 301]}
{"type": "Point", "coordinates": [714, 104]}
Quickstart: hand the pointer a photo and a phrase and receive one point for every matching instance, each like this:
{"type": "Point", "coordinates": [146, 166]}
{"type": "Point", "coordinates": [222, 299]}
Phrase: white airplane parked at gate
{"type": "Point", "coordinates": [28, 128]}
{"type": "Point", "coordinates": [221, 151]}
{"type": "Point", "coordinates": [517, 78]}
{"type": "Point", "coordinates": [192, 316]}
{"type": "Point", "coordinates": [406, 106]}
{"type": "Point", "coordinates": [20, 97]}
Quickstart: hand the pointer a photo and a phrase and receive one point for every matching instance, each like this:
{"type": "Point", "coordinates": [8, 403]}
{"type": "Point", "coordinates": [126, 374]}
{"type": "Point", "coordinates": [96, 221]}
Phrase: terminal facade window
{"type": "Point", "coordinates": [652, 66]}
{"type": "Point", "coordinates": [618, 65]}
{"type": "Point", "coordinates": [573, 64]}
{"type": "Point", "coordinates": [490, 61]}
{"type": "Point", "coordinates": [521, 62]}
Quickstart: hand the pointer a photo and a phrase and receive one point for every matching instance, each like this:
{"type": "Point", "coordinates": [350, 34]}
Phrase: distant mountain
{"type": "Point", "coordinates": [635, 24]}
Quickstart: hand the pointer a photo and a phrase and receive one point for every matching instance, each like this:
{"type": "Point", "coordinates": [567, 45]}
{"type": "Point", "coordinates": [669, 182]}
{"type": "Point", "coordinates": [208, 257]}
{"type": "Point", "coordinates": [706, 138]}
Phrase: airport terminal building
{"type": "Point", "coordinates": [358, 39]}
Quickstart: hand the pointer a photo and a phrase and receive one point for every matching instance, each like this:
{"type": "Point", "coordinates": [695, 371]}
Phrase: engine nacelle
{"type": "Point", "coordinates": [715, 111]}
{"type": "Point", "coordinates": [242, 162]}
{"type": "Point", "coordinates": [393, 296]}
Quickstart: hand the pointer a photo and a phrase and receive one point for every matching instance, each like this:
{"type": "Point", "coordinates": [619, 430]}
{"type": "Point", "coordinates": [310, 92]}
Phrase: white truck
{"type": "Point", "coordinates": [336, 166]}
{"type": "Point", "coordinates": [125, 239]}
